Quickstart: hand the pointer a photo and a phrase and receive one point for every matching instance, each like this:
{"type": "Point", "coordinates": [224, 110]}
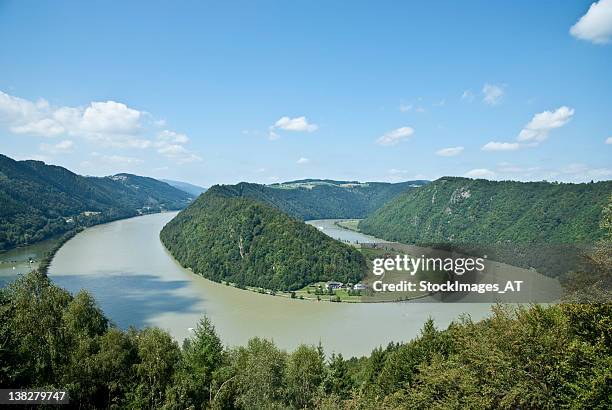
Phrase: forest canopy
{"type": "Point", "coordinates": [38, 201]}
{"type": "Point", "coordinates": [240, 240]}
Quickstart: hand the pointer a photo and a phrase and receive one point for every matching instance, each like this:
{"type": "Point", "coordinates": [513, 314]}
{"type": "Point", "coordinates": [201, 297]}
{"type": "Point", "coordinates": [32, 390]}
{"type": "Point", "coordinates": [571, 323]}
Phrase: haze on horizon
{"type": "Point", "coordinates": [254, 91]}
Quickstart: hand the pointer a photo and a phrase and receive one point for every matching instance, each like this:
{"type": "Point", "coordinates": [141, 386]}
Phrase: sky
{"type": "Point", "coordinates": [271, 91]}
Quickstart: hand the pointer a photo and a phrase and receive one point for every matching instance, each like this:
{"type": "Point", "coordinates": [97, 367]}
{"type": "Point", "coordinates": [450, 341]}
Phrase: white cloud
{"type": "Point", "coordinates": [500, 146]}
{"type": "Point", "coordinates": [492, 94]}
{"type": "Point", "coordinates": [61, 147]}
{"type": "Point", "coordinates": [449, 152]}
{"type": "Point", "coordinates": [171, 145]}
{"type": "Point", "coordinates": [172, 137]}
{"type": "Point", "coordinates": [467, 95]}
{"type": "Point", "coordinates": [107, 124]}
{"type": "Point", "coordinates": [541, 124]}
{"type": "Point", "coordinates": [303, 161]}
{"type": "Point", "coordinates": [609, 140]}
{"type": "Point", "coordinates": [110, 117]}
{"type": "Point", "coordinates": [480, 173]}
{"type": "Point", "coordinates": [405, 107]}
{"type": "Point", "coordinates": [584, 172]}
{"type": "Point", "coordinates": [116, 159]}
{"type": "Point", "coordinates": [596, 24]}
{"type": "Point", "coordinates": [298, 124]}
{"type": "Point", "coordinates": [110, 123]}
{"type": "Point", "coordinates": [396, 136]}
{"type": "Point", "coordinates": [395, 171]}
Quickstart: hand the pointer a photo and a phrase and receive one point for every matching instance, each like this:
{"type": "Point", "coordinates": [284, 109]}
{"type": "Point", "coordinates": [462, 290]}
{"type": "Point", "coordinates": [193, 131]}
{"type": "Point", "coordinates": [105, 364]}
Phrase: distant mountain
{"type": "Point", "coordinates": [242, 240]}
{"type": "Point", "coordinates": [191, 189]}
{"type": "Point", "coordinates": [530, 224]}
{"type": "Point", "coordinates": [320, 199]}
{"type": "Point", "coordinates": [39, 200]}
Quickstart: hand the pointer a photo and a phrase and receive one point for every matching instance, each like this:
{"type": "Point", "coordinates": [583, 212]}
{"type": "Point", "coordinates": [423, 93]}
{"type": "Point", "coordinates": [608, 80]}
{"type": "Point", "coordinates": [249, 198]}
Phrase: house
{"type": "Point", "coordinates": [333, 285]}
{"type": "Point", "coordinates": [360, 286]}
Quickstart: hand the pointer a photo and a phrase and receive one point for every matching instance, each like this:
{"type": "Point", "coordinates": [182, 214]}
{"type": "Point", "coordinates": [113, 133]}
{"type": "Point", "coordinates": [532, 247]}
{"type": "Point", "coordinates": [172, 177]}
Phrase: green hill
{"type": "Point", "coordinates": [533, 224]}
{"type": "Point", "coordinates": [39, 200]}
{"type": "Point", "coordinates": [225, 236]}
{"type": "Point", "coordinates": [323, 199]}
{"type": "Point", "coordinates": [462, 210]}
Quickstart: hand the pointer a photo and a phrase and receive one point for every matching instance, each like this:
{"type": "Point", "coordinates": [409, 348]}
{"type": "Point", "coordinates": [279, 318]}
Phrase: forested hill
{"type": "Point", "coordinates": [38, 200]}
{"type": "Point", "coordinates": [241, 240]}
{"type": "Point", "coordinates": [467, 211]}
{"type": "Point", "coordinates": [321, 199]}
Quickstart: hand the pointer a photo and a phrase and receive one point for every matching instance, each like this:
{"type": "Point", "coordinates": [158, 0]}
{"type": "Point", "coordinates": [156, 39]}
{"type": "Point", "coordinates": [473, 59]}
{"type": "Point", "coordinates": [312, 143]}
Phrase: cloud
{"type": "Point", "coordinates": [405, 107]}
{"type": "Point", "coordinates": [45, 127]}
{"type": "Point", "coordinates": [492, 94]}
{"type": "Point", "coordinates": [298, 124]}
{"type": "Point", "coordinates": [584, 172]}
{"type": "Point", "coordinates": [116, 159]}
{"type": "Point", "coordinates": [171, 145]}
{"type": "Point", "coordinates": [541, 124]}
{"type": "Point", "coordinates": [172, 137]}
{"type": "Point", "coordinates": [395, 171]}
{"type": "Point", "coordinates": [467, 95]}
{"type": "Point", "coordinates": [501, 146]}
{"type": "Point", "coordinates": [449, 152]}
{"type": "Point", "coordinates": [61, 147]}
{"type": "Point", "coordinates": [110, 117]}
{"type": "Point", "coordinates": [107, 124]}
{"type": "Point", "coordinates": [396, 136]}
{"type": "Point", "coordinates": [596, 24]}
{"type": "Point", "coordinates": [609, 140]}
{"type": "Point", "coordinates": [480, 173]}
{"type": "Point", "coordinates": [110, 123]}
{"type": "Point", "coordinates": [303, 161]}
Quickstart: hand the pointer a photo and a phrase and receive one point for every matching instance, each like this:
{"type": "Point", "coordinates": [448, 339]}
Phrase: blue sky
{"type": "Point", "coordinates": [266, 91]}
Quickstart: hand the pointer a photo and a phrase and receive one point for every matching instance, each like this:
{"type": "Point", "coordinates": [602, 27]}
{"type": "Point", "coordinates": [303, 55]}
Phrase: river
{"type": "Point", "coordinates": [136, 282]}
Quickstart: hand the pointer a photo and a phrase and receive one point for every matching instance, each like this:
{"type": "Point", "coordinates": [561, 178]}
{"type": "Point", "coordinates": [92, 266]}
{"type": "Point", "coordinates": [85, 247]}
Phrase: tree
{"type": "Point", "coordinates": [202, 355]}
{"type": "Point", "coordinates": [259, 374]}
{"type": "Point", "coordinates": [158, 356]}
{"type": "Point", "coordinates": [305, 373]}
{"type": "Point", "coordinates": [338, 380]}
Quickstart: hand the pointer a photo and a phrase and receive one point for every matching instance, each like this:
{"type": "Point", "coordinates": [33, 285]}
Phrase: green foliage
{"type": "Point", "coordinates": [535, 224]}
{"type": "Point", "coordinates": [543, 357]}
{"type": "Point", "coordinates": [321, 199]}
{"type": "Point", "coordinates": [305, 373]}
{"type": "Point", "coordinates": [158, 356]}
{"type": "Point", "coordinates": [259, 370]}
{"type": "Point", "coordinates": [526, 357]}
{"type": "Point", "coordinates": [241, 240]}
{"type": "Point", "coordinates": [338, 382]}
{"type": "Point", "coordinates": [202, 355]}
{"type": "Point", "coordinates": [462, 210]}
{"type": "Point", "coordinates": [38, 201]}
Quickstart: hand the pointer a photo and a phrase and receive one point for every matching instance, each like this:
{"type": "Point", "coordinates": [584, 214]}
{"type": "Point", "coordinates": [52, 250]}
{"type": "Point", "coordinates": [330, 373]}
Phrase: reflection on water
{"type": "Point", "coordinates": [125, 266]}
{"type": "Point", "coordinates": [22, 260]}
